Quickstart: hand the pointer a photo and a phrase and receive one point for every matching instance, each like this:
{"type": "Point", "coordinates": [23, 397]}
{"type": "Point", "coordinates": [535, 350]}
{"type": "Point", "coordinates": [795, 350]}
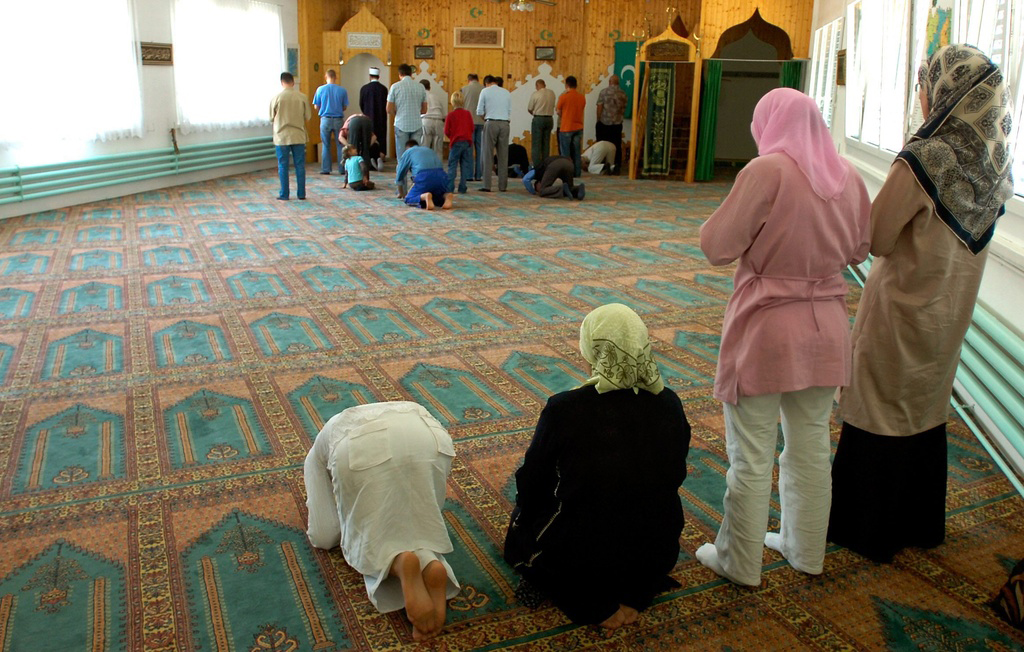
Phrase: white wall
{"type": "Point", "coordinates": [159, 116]}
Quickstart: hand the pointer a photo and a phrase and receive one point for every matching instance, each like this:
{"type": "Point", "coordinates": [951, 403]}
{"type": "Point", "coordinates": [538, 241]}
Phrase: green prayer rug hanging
{"type": "Point", "coordinates": [661, 93]}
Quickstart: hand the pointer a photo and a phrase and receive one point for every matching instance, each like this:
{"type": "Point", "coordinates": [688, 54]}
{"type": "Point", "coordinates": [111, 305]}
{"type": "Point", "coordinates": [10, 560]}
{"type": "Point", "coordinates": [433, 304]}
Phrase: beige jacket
{"type": "Point", "coordinates": [915, 311]}
{"type": "Point", "coordinates": [289, 111]}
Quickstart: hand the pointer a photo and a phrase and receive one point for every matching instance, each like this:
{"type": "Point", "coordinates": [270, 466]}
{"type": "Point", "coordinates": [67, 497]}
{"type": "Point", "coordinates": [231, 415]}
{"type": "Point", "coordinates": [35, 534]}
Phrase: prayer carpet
{"type": "Point", "coordinates": [166, 358]}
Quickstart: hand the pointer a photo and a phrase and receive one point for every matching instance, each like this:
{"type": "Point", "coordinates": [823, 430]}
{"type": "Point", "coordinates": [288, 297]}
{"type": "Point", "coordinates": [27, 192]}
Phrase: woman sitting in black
{"type": "Point", "coordinates": [598, 517]}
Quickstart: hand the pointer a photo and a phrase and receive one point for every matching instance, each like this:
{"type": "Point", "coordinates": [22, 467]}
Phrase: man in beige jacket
{"type": "Point", "coordinates": [290, 111]}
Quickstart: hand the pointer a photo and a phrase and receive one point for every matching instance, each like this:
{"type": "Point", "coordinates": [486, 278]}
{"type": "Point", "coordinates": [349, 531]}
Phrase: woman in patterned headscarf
{"type": "Point", "coordinates": [929, 226]}
{"type": "Point", "coordinates": [597, 519]}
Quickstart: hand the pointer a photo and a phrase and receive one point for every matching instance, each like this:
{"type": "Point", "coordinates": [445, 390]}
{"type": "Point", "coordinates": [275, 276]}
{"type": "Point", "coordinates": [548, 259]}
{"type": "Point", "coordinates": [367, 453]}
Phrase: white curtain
{"type": "Point", "coordinates": [997, 28]}
{"type": "Point", "coordinates": [70, 70]}
{"type": "Point", "coordinates": [228, 58]}
{"type": "Point", "coordinates": [877, 83]}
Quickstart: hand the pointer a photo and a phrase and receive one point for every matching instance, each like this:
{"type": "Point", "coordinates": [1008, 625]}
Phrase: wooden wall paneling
{"type": "Point", "coordinates": [310, 55]}
{"type": "Point", "coordinates": [794, 16]}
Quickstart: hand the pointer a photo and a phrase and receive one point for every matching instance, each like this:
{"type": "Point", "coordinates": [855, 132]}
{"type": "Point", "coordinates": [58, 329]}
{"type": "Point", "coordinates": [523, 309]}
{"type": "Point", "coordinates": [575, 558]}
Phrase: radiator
{"type": "Point", "coordinates": [25, 183]}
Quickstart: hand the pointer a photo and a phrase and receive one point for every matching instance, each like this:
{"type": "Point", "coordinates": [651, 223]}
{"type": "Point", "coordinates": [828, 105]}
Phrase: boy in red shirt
{"type": "Point", "coordinates": [570, 124]}
{"type": "Point", "coordinates": [458, 126]}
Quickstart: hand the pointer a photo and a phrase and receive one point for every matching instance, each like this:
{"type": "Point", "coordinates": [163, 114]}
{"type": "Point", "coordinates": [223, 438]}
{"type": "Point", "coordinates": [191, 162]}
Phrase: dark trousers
{"type": "Point", "coordinates": [360, 134]}
{"type": "Point", "coordinates": [540, 135]}
{"type": "Point", "coordinates": [478, 151]}
{"type": "Point", "coordinates": [559, 169]}
{"type": "Point", "coordinates": [613, 134]}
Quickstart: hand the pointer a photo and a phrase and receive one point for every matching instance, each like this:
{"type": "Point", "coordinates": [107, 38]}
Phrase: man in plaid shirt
{"type": "Point", "coordinates": [407, 100]}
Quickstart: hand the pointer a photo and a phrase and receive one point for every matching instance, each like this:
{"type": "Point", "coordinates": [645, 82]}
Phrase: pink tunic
{"type": "Point", "coordinates": [786, 326]}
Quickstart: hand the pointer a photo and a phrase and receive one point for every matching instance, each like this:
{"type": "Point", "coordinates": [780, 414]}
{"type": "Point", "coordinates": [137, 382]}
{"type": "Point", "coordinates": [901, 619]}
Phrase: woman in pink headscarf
{"type": "Point", "coordinates": [797, 215]}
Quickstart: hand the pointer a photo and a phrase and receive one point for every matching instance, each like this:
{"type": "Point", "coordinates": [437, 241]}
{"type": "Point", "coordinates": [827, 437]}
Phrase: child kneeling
{"type": "Point", "coordinates": [357, 170]}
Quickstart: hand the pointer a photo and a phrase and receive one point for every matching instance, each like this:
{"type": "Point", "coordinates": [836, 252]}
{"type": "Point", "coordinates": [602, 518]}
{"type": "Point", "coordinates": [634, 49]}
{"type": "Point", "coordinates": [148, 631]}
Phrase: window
{"type": "Point", "coordinates": [827, 43]}
{"type": "Point", "coordinates": [877, 73]}
{"type": "Point", "coordinates": [64, 83]}
{"type": "Point", "coordinates": [228, 58]}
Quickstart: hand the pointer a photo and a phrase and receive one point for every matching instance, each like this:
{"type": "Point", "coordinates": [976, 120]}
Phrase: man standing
{"type": "Point", "coordinates": [373, 102]}
{"type": "Point", "coordinates": [470, 97]}
{"type": "Point", "coordinates": [611, 104]}
{"type": "Point", "coordinates": [542, 108]}
{"type": "Point", "coordinates": [495, 105]}
{"type": "Point", "coordinates": [570, 124]}
{"type": "Point", "coordinates": [407, 101]}
{"type": "Point", "coordinates": [289, 111]}
{"type": "Point", "coordinates": [330, 101]}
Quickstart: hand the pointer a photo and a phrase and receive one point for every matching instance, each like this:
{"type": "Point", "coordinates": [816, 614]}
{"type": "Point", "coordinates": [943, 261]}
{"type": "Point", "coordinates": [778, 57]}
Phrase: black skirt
{"type": "Point", "coordinates": [888, 493]}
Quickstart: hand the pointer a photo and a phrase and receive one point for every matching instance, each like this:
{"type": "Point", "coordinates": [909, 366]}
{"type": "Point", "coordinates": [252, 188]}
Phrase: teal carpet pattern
{"type": "Point", "coordinates": [166, 359]}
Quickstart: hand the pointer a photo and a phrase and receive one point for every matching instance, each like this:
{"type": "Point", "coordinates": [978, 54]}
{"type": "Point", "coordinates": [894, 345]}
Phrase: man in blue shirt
{"type": "Point", "coordinates": [495, 105]}
{"type": "Point", "coordinates": [330, 101]}
{"type": "Point", "coordinates": [429, 179]}
{"type": "Point", "coordinates": [407, 101]}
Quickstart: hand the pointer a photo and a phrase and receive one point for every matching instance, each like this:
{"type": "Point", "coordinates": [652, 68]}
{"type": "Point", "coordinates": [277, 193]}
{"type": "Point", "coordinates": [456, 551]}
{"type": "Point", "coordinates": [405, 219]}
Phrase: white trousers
{"type": "Point", "coordinates": [805, 480]}
{"type": "Point", "coordinates": [433, 135]}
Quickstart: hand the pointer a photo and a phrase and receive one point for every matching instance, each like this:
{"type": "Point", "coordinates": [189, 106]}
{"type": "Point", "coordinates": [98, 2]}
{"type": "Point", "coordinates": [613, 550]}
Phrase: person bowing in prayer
{"type": "Point", "coordinates": [597, 518]}
{"type": "Point", "coordinates": [376, 481]}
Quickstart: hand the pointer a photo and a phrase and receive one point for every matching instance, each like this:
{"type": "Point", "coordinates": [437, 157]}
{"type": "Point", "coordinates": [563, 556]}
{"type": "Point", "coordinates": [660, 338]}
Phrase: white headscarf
{"type": "Point", "coordinates": [614, 340]}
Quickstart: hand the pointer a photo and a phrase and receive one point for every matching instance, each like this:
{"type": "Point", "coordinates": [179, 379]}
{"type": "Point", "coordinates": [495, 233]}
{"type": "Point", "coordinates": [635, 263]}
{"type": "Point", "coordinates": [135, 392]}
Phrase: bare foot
{"type": "Point", "coordinates": [428, 198]}
{"type": "Point", "coordinates": [448, 203]}
{"type": "Point", "coordinates": [614, 621]}
{"type": "Point", "coordinates": [631, 614]}
{"type": "Point", "coordinates": [419, 608]}
{"type": "Point", "coordinates": [436, 580]}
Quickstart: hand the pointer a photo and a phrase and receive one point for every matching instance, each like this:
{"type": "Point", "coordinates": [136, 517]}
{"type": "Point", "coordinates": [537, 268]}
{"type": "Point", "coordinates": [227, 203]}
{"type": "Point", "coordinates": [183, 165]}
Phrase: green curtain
{"type": "Point", "coordinates": [661, 104]}
{"type": "Point", "coordinates": [708, 120]}
{"type": "Point", "coordinates": [791, 75]}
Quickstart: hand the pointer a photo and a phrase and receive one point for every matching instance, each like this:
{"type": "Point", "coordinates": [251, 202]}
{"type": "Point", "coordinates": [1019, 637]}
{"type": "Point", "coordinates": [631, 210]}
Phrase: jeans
{"type": "Point", "coordinates": [298, 154]}
{"type": "Point", "coordinates": [460, 154]}
{"type": "Point", "coordinates": [540, 136]}
{"type": "Point", "coordinates": [569, 145]}
{"type": "Point", "coordinates": [330, 128]}
{"type": "Point", "coordinates": [402, 137]}
{"type": "Point", "coordinates": [478, 151]}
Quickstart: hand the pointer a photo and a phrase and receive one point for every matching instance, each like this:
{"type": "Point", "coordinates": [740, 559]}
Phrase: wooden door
{"type": "Point", "coordinates": [482, 61]}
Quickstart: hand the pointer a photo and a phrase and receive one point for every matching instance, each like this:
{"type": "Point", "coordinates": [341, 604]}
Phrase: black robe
{"type": "Point", "coordinates": [373, 101]}
{"type": "Point", "coordinates": [598, 515]}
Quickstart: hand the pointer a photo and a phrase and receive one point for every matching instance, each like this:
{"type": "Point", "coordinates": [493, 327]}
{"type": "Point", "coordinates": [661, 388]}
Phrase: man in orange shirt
{"type": "Point", "coordinates": [570, 124]}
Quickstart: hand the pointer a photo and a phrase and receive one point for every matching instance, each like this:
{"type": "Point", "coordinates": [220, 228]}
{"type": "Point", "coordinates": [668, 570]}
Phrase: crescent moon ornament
{"type": "Point", "coordinates": [476, 12]}
{"type": "Point", "coordinates": [545, 35]}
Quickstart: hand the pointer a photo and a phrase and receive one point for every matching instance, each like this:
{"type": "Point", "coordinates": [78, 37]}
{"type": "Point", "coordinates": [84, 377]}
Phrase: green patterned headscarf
{"type": "Point", "coordinates": [613, 339]}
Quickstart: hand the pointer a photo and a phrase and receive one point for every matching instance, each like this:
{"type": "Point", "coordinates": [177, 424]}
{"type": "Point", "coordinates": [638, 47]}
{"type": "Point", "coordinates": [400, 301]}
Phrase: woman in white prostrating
{"type": "Point", "coordinates": [376, 483]}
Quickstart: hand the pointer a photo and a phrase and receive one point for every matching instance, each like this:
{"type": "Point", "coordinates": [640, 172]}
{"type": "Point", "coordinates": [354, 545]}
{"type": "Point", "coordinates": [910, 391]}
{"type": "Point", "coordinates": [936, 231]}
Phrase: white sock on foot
{"type": "Point", "coordinates": [774, 541]}
{"type": "Point", "coordinates": [707, 555]}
